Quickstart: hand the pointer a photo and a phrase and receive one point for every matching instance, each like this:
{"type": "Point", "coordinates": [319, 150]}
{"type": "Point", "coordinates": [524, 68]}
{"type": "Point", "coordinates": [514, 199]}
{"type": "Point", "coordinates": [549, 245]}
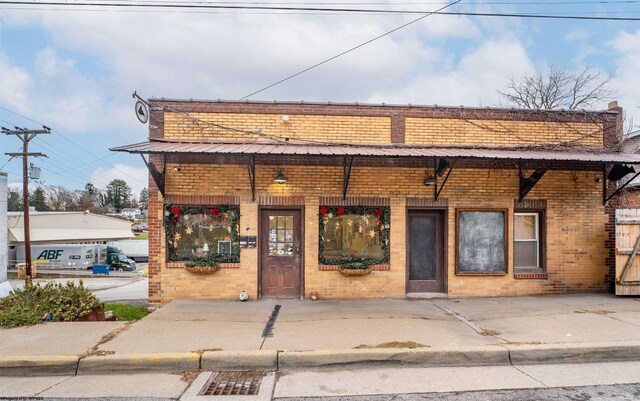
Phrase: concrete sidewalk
{"type": "Point", "coordinates": [185, 335]}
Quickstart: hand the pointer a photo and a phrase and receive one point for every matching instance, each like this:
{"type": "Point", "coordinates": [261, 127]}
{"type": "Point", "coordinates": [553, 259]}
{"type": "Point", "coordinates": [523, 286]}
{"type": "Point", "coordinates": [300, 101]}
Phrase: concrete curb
{"type": "Point", "coordinates": [471, 356]}
{"type": "Point", "coordinates": [35, 365]}
{"type": "Point", "coordinates": [239, 360]}
{"type": "Point", "coordinates": [574, 353]}
{"type": "Point", "coordinates": [506, 354]}
{"type": "Point", "coordinates": [157, 362]}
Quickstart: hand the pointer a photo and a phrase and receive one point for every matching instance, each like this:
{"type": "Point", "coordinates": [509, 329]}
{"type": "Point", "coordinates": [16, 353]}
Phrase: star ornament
{"type": "Point", "coordinates": [189, 231]}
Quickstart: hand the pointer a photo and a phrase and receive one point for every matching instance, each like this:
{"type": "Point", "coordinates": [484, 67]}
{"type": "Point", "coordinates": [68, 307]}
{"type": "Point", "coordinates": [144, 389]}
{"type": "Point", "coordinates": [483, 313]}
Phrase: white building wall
{"type": "Point", "coordinates": [4, 230]}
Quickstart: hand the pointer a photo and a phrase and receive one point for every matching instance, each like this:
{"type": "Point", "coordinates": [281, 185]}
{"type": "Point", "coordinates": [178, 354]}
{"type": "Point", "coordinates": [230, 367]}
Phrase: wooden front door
{"type": "Point", "coordinates": [281, 253]}
{"type": "Point", "coordinates": [425, 251]}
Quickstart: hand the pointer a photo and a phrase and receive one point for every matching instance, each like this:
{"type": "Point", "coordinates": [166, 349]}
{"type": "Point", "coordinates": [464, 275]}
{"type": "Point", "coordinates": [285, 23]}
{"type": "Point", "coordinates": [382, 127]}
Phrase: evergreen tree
{"type": "Point", "coordinates": [118, 194]}
{"type": "Point", "coordinates": [38, 200]}
{"type": "Point", "coordinates": [144, 199]}
{"type": "Point", "coordinates": [14, 201]}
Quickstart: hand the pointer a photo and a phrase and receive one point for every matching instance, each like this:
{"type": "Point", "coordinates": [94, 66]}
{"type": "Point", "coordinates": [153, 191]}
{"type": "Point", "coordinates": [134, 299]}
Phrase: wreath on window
{"type": "Point", "coordinates": [382, 218]}
{"type": "Point", "coordinates": [229, 214]}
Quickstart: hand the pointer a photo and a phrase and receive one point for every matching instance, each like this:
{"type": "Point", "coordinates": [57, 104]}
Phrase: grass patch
{"type": "Point", "coordinates": [126, 312]}
{"type": "Point", "coordinates": [144, 235]}
{"type": "Point", "coordinates": [394, 344]}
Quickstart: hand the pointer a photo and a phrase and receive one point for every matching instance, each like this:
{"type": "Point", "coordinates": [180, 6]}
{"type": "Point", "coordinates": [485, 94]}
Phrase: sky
{"type": "Point", "coordinates": [74, 69]}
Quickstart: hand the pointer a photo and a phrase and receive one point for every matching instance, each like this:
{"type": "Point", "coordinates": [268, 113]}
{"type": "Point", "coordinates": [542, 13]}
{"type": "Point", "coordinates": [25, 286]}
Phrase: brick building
{"type": "Point", "coordinates": [369, 201]}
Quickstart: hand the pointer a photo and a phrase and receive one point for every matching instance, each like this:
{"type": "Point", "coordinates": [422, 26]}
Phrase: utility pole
{"type": "Point", "coordinates": [26, 135]}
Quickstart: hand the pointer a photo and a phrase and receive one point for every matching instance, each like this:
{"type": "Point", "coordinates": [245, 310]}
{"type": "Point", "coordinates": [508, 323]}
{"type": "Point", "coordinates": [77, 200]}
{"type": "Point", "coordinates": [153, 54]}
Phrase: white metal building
{"type": "Point", "coordinates": [68, 228]}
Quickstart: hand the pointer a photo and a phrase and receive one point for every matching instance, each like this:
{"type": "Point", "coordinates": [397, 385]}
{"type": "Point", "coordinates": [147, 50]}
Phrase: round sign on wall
{"type": "Point", "coordinates": [142, 112]}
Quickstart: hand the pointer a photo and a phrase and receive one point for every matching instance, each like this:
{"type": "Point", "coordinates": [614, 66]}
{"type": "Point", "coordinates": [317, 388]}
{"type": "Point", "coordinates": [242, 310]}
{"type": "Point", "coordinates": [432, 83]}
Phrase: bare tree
{"type": "Point", "coordinates": [60, 198]}
{"type": "Point", "coordinates": [559, 89]}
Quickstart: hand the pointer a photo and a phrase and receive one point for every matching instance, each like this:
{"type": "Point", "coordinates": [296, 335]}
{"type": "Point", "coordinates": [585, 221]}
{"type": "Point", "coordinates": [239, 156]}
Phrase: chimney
{"type": "Point", "coordinates": [613, 105]}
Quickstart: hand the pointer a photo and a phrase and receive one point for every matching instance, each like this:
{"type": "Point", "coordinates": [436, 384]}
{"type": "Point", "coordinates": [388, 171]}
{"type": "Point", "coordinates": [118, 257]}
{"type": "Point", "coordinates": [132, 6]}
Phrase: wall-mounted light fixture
{"type": "Point", "coordinates": [176, 169]}
{"type": "Point", "coordinates": [429, 181]}
{"type": "Point", "coordinates": [280, 178]}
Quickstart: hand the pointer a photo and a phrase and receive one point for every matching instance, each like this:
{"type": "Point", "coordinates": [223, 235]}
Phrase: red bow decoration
{"type": "Point", "coordinates": [176, 211]}
{"type": "Point", "coordinates": [377, 212]}
{"type": "Point", "coordinates": [214, 211]}
{"type": "Point", "coordinates": [340, 211]}
{"type": "Point", "coordinates": [324, 210]}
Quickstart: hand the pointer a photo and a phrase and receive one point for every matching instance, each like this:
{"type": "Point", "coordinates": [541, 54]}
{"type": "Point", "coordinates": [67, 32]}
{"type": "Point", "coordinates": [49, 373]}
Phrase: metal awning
{"type": "Point", "coordinates": [543, 158]}
{"type": "Point", "coordinates": [292, 148]}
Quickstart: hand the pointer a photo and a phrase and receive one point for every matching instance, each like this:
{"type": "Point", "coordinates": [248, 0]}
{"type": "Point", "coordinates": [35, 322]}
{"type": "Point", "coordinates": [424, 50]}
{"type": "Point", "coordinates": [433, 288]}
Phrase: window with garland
{"type": "Point", "coordinates": [199, 233]}
{"type": "Point", "coordinates": [354, 234]}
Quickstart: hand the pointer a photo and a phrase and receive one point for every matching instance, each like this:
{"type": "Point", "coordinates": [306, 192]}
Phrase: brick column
{"type": "Point", "coordinates": [249, 256]}
{"type": "Point", "coordinates": [398, 247]}
{"type": "Point", "coordinates": [156, 242]}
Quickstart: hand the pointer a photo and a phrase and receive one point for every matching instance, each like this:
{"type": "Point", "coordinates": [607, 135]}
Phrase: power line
{"type": "Point", "coordinates": [59, 151]}
{"type": "Point", "coordinates": [348, 51]}
{"type": "Point", "coordinates": [356, 12]}
{"type": "Point", "coordinates": [78, 146]}
{"type": "Point", "coordinates": [550, 3]}
{"type": "Point", "coordinates": [174, 5]}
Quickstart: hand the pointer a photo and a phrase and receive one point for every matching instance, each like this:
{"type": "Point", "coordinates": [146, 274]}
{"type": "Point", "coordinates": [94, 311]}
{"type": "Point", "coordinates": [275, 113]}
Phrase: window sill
{"type": "Point", "coordinates": [327, 268]}
{"type": "Point", "coordinates": [181, 265]}
{"type": "Point", "coordinates": [530, 275]}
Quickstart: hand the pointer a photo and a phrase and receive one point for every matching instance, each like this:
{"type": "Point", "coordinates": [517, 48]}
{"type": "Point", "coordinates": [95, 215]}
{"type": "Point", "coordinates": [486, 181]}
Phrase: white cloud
{"type": "Point", "coordinates": [136, 177]}
{"type": "Point", "coordinates": [227, 56]}
{"type": "Point", "coordinates": [474, 80]}
{"type": "Point", "coordinates": [53, 90]}
{"type": "Point", "coordinates": [14, 84]}
{"type": "Point", "coordinates": [577, 35]}
{"type": "Point", "coordinates": [626, 79]}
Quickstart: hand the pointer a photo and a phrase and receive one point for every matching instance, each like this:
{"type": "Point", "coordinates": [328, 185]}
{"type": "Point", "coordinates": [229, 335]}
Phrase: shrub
{"type": "Point", "coordinates": [64, 302]}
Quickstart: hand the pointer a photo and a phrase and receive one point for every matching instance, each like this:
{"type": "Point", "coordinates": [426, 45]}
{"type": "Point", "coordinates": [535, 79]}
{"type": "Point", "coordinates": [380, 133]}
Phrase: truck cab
{"type": "Point", "coordinates": [118, 260]}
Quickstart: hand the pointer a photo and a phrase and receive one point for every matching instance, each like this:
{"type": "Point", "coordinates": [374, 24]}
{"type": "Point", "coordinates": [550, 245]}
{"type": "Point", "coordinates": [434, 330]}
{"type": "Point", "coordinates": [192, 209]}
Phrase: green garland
{"type": "Point", "coordinates": [384, 216]}
{"type": "Point", "coordinates": [172, 213]}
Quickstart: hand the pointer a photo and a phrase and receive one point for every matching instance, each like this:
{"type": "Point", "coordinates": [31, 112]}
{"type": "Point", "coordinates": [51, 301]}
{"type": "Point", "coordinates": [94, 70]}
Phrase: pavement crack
{"type": "Point", "coordinates": [93, 351]}
{"type": "Point", "coordinates": [53, 385]}
{"type": "Point", "coordinates": [518, 369]}
{"type": "Point", "coordinates": [464, 320]}
{"type": "Point", "coordinates": [527, 374]}
{"type": "Point", "coordinates": [622, 321]}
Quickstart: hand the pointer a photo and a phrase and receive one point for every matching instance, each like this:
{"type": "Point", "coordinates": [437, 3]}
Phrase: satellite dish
{"type": "Point", "coordinates": [142, 112]}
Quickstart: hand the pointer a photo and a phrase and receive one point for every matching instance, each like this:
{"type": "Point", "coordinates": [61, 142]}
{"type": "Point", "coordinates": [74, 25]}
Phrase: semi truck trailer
{"type": "Point", "coordinates": [135, 249]}
{"type": "Point", "coordinates": [70, 256]}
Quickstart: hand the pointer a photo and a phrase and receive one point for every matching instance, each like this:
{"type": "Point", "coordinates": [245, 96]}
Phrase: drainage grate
{"type": "Point", "coordinates": [233, 383]}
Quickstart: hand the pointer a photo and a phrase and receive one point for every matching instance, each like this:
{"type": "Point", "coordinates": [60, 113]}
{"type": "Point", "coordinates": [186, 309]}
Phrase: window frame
{"type": "Point", "coordinates": [170, 220]}
{"type": "Point", "coordinates": [384, 220]}
{"type": "Point", "coordinates": [541, 240]}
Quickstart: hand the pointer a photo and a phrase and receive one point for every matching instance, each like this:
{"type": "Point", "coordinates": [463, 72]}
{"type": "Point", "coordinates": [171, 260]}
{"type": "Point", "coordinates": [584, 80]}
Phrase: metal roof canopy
{"type": "Point", "coordinates": [291, 148]}
{"type": "Point", "coordinates": [595, 160]}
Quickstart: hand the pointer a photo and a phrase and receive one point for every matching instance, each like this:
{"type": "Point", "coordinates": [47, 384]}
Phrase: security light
{"type": "Point", "coordinates": [279, 178]}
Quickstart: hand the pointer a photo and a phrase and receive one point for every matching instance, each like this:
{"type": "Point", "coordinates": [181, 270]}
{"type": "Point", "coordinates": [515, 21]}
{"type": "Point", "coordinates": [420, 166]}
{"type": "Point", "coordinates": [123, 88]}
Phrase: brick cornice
{"type": "Point", "coordinates": [382, 110]}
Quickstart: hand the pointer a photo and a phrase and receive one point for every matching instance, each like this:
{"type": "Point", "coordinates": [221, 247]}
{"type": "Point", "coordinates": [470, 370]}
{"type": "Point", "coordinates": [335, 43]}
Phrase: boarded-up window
{"type": "Point", "coordinates": [481, 241]}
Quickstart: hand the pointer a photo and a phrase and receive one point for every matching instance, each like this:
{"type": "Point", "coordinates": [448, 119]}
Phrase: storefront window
{"type": "Point", "coordinates": [354, 234]}
{"type": "Point", "coordinates": [202, 233]}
